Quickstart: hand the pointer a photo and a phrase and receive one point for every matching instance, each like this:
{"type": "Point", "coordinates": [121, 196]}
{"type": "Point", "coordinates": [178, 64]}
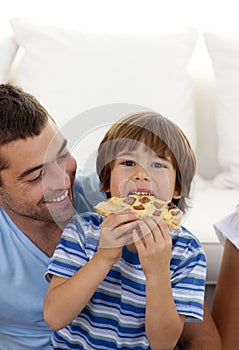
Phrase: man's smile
{"type": "Point", "coordinates": [58, 199]}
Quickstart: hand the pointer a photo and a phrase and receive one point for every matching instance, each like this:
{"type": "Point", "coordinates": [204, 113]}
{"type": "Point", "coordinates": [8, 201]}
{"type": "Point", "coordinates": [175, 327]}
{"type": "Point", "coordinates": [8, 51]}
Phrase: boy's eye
{"type": "Point", "coordinates": [158, 165]}
{"type": "Point", "coordinates": [128, 163]}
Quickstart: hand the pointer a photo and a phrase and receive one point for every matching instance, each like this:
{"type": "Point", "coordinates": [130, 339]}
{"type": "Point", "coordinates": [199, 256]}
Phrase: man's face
{"type": "Point", "coordinates": [38, 182]}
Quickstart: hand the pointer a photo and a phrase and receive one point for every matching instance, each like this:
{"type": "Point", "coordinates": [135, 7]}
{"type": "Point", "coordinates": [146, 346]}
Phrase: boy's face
{"type": "Point", "coordinates": [142, 170]}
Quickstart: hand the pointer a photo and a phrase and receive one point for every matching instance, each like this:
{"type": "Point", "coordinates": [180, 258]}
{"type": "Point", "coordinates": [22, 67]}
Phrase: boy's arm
{"type": "Point", "coordinates": [66, 297]}
{"type": "Point", "coordinates": [162, 322]}
{"type": "Point", "coordinates": [200, 335]}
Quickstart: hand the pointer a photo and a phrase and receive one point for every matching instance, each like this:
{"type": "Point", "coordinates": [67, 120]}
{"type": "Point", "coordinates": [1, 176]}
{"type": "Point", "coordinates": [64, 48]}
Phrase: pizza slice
{"type": "Point", "coordinates": [143, 204]}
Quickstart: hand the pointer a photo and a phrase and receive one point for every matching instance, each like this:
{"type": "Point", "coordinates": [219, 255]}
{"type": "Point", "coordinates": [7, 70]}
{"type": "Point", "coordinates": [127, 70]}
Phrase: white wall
{"type": "Point", "coordinates": [213, 15]}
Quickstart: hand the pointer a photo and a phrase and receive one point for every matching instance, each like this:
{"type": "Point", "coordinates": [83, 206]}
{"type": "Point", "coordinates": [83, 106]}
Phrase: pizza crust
{"type": "Point", "coordinates": [143, 205]}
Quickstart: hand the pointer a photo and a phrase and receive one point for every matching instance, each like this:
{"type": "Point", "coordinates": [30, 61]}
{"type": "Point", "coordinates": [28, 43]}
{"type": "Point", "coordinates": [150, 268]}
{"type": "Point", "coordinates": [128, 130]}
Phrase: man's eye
{"type": "Point", "coordinates": [158, 165]}
{"type": "Point", "coordinates": [128, 163]}
{"type": "Point", "coordinates": [37, 178]}
{"type": "Point", "coordinates": [63, 157]}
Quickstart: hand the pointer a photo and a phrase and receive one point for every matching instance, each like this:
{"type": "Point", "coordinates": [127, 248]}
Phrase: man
{"type": "Point", "coordinates": [36, 201]}
{"type": "Point", "coordinates": [28, 233]}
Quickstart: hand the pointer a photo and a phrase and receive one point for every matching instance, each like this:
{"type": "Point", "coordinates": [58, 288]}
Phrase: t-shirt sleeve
{"type": "Point", "coordinates": [70, 254]}
{"type": "Point", "coordinates": [228, 228]}
{"type": "Point", "coordinates": [188, 279]}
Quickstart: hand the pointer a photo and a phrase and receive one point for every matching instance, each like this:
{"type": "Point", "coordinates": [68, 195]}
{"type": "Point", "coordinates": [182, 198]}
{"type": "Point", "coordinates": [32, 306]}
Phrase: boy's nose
{"type": "Point", "coordinates": [141, 175]}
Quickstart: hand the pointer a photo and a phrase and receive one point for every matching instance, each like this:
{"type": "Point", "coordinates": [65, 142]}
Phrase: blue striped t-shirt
{"type": "Point", "coordinates": [114, 318]}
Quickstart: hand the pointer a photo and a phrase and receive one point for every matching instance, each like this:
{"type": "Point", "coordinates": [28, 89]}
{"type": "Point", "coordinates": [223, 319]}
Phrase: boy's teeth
{"type": "Point", "coordinates": [140, 193]}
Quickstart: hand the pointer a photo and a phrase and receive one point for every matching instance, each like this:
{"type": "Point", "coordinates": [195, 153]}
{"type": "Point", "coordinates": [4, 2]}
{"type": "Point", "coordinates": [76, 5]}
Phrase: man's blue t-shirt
{"type": "Point", "coordinates": [23, 286]}
{"type": "Point", "coordinates": [22, 291]}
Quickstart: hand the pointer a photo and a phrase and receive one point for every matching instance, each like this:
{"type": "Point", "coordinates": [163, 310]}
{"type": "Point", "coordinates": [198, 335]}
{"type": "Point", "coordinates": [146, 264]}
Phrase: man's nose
{"type": "Point", "coordinates": [57, 178]}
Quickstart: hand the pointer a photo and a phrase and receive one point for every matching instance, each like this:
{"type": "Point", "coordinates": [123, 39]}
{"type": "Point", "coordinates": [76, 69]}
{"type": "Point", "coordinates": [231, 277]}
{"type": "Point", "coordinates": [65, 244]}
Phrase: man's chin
{"type": "Point", "coordinates": [62, 217]}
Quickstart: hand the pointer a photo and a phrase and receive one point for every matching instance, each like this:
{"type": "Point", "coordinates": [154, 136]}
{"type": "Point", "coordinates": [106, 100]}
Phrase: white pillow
{"type": "Point", "coordinates": [224, 53]}
{"type": "Point", "coordinates": [8, 49]}
{"type": "Point", "coordinates": [72, 71]}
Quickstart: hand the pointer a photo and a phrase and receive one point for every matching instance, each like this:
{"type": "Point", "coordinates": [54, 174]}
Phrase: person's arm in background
{"type": "Point", "coordinates": [201, 335]}
{"type": "Point", "coordinates": [225, 308]}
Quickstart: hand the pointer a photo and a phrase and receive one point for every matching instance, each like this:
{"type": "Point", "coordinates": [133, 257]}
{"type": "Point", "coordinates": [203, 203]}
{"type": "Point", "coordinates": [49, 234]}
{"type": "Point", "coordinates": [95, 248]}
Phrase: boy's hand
{"type": "Point", "coordinates": [154, 246]}
{"type": "Point", "coordinates": [116, 231]}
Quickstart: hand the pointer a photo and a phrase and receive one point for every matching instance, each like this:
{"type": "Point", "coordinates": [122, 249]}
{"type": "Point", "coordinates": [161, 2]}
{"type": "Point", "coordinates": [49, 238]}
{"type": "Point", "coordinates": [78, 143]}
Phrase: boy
{"type": "Point", "coordinates": [124, 282]}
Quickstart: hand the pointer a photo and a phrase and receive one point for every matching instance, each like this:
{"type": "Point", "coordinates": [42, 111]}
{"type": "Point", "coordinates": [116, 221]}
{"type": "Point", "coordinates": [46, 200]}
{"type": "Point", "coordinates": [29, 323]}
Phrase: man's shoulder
{"type": "Point", "coordinates": [5, 221]}
{"type": "Point", "coordinates": [87, 190]}
{"type": "Point", "coordinates": [86, 179]}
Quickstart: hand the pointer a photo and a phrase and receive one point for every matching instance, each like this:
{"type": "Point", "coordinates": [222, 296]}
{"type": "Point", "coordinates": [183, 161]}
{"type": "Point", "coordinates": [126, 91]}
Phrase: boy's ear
{"type": "Point", "coordinates": [108, 195]}
{"type": "Point", "coordinates": [177, 194]}
{"type": "Point", "coordinates": [107, 190]}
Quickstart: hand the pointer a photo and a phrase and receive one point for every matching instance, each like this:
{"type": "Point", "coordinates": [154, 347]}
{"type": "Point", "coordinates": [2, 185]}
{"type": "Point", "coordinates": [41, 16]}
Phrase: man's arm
{"type": "Point", "coordinates": [200, 335]}
{"type": "Point", "coordinates": [225, 308]}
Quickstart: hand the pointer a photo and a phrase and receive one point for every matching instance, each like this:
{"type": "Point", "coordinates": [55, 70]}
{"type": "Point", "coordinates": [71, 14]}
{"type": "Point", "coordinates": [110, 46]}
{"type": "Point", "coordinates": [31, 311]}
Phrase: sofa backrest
{"type": "Point", "coordinates": [72, 72]}
{"type": "Point", "coordinates": [8, 49]}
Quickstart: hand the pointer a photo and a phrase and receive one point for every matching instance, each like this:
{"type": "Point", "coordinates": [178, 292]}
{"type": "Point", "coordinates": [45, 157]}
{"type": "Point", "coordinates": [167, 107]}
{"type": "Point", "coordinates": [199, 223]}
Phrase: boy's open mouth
{"type": "Point", "coordinates": [140, 193]}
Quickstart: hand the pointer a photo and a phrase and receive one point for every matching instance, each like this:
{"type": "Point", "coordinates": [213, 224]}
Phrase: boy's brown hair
{"type": "Point", "coordinates": [161, 135]}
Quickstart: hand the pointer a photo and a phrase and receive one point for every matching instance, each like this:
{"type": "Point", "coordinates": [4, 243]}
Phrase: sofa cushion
{"type": "Point", "coordinates": [224, 53]}
{"type": "Point", "coordinates": [8, 48]}
{"type": "Point", "coordinates": [71, 71]}
{"type": "Point", "coordinates": [209, 204]}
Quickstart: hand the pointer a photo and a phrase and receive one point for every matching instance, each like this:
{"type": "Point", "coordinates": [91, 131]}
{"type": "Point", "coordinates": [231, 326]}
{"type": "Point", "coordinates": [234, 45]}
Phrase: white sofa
{"type": "Point", "coordinates": [87, 80]}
